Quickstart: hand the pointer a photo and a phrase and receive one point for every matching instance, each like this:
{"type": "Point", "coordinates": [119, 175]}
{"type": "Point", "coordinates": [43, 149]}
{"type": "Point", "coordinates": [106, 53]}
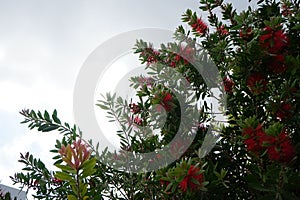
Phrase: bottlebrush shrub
{"type": "Point", "coordinates": [257, 52]}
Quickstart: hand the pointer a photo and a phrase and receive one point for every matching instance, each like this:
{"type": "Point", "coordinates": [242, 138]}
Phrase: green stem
{"type": "Point", "coordinates": [78, 185]}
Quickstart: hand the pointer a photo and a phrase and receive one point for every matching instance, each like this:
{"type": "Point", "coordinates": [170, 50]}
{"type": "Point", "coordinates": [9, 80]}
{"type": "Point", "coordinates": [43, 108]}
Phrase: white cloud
{"type": "Point", "coordinates": [38, 144]}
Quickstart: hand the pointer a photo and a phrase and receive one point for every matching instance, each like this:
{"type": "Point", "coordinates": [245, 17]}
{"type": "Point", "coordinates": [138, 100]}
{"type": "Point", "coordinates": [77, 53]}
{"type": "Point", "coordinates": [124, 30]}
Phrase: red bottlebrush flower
{"type": "Point", "coordinates": [56, 180]}
{"type": "Point", "coordinates": [145, 80]}
{"type": "Point", "coordinates": [287, 151]}
{"type": "Point", "coordinates": [164, 182]}
{"type": "Point", "coordinates": [266, 140]}
{"type": "Point", "coordinates": [185, 55]}
{"type": "Point", "coordinates": [273, 153]}
{"type": "Point", "coordinates": [282, 150]}
{"type": "Point", "coordinates": [277, 65]}
{"type": "Point", "coordinates": [257, 83]}
{"type": "Point", "coordinates": [252, 145]}
{"type": "Point", "coordinates": [284, 111]}
{"type": "Point", "coordinates": [134, 108]}
{"type": "Point", "coordinates": [199, 26]}
{"type": "Point", "coordinates": [166, 102]}
{"type": "Point", "coordinates": [193, 180]}
{"type": "Point", "coordinates": [248, 132]}
{"type": "Point", "coordinates": [274, 41]}
{"type": "Point", "coordinates": [150, 55]}
{"type": "Point", "coordinates": [222, 30]}
{"type": "Point", "coordinates": [137, 120]}
{"type": "Point", "coordinates": [228, 84]}
{"type": "Point", "coordinates": [254, 138]}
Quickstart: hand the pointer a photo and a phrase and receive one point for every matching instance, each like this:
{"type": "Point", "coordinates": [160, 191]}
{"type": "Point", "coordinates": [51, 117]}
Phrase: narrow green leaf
{"type": "Point", "coordinates": [55, 118]}
{"type": "Point", "coordinates": [47, 116]}
{"type": "Point", "coordinates": [71, 197]}
{"type": "Point", "coordinates": [63, 176]}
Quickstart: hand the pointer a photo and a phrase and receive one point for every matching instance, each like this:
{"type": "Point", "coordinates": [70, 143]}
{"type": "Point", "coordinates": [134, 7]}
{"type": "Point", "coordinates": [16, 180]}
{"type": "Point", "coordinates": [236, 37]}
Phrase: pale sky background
{"type": "Point", "coordinates": [42, 47]}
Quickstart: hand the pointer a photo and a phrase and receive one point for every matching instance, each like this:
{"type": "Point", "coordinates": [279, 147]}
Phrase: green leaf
{"type": "Point", "coordinates": [89, 164]}
{"type": "Point", "coordinates": [66, 168]}
{"type": "Point", "coordinates": [63, 176]}
{"type": "Point", "coordinates": [40, 164]}
{"type": "Point", "coordinates": [50, 128]}
{"type": "Point", "coordinates": [88, 172]}
{"type": "Point", "coordinates": [40, 115]}
{"type": "Point", "coordinates": [259, 187]}
{"type": "Point", "coordinates": [55, 118]}
{"type": "Point", "coordinates": [296, 27]}
{"type": "Point", "coordinates": [47, 116]}
{"type": "Point", "coordinates": [103, 106]}
{"type": "Point", "coordinates": [71, 197]}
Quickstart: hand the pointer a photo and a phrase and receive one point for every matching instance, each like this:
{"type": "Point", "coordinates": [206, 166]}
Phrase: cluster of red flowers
{"type": "Point", "coordinates": [222, 30]}
{"type": "Point", "coordinates": [284, 111]}
{"type": "Point", "coordinates": [166, 102]}
{"type": "Point", "coordinates": [228, 84]}
{"type": "Point", "coordinates": [56, 181]}
{"type": "Point", "coordinates": [193, 179]}
{"type": "Point", "coordinates": [274, 41]}
{"type": "Point", "coordinates": [148, 81]}
{"type": "Point", "coordinates": [186, 55]}
{"type": "Point", "coordinates": [255, 137]}
{"type": "Point", "coordinates": [199, 26]}
{"type": "Point", "coordinates": [134, 108]}
{"type": "Point", "coordinates": [276, 64]}
{"type": "Point", "coordinates": [150, 55]}
{"type": "Point", "coordinates": [279, 148]}
{"type": "Point", "coordinates": [138, 121]}
{"type": "Point", "coordinates": [257, 83]}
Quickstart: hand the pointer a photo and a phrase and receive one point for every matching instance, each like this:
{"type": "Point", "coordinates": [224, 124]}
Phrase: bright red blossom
{"type": "Point", "coordinates": [185, 55]}
{"type": "Point", "coordinates": [282, 149]}
{"type": "Point", "coordinates": [137, 120]}
{"type": "Point", "coordinates": [228, 84]}
{"type": "Point", "coordinates": [193, 180]}
{"type": "Point", "coordinates": [150, 55]}
{"type": "Point", "coordinates": [199, 26]}
{"type": "Point", "coordinates": [273, 41]}
{"type": "Point", "coordinates": [166, 102]}
{"type": "Point", "coordinates": [279, 148]}
{"type": "Point", "coordinates": [254, 138]}
{"type": "Point", "coordinates": [134, 108]}
{"type": "Point", "coordinates": [222, 30]}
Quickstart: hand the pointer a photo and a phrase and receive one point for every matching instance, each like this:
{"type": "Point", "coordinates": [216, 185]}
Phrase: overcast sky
{"type": "Point", "coordinates": [42, 47]}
